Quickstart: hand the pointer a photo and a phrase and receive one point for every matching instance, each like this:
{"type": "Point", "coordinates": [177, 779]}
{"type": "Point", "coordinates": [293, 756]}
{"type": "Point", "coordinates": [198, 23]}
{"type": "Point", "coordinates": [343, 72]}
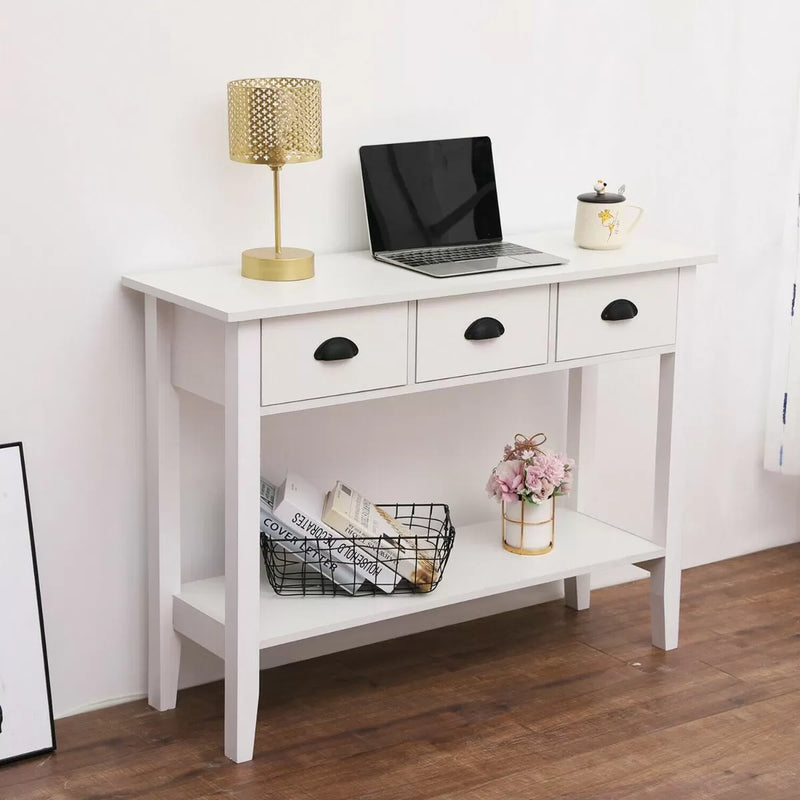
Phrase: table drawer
{"type": "Point", "coordinates": [640, 309]}
{"type": "Point", "coordinates": [444, 349]}
{"type": "Point", "coordinates": [295, 352]}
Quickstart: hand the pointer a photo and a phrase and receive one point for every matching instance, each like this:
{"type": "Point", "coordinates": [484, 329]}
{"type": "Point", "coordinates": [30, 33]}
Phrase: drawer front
{"type": "Point", "coordinates": [582, 331]}
{"type": "Point", "coordinates": [445, 351]}
{"type": "Point", "coordinates": [290, 371]}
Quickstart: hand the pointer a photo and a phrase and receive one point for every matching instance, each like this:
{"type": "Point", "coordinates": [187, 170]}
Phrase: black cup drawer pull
{"type": "Point", "coordinates": [485, 328]}
{"type": "Point", "coordinates": [619, 309]}
{"type": "Point", "coordinates": [336, 349]}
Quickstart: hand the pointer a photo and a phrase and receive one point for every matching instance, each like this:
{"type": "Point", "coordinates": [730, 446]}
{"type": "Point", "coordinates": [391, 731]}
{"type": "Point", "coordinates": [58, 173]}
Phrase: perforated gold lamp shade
{"type": "Point", "coordinates": [275, 121]}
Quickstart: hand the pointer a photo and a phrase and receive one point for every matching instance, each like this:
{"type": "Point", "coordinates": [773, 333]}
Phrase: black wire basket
{"type": "Point", "coordinates": [366, 565]}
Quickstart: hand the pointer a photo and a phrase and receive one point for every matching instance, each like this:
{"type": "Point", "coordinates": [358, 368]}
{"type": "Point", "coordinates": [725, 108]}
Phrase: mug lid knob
{"type": "Point", "coordinates": [600, 195]}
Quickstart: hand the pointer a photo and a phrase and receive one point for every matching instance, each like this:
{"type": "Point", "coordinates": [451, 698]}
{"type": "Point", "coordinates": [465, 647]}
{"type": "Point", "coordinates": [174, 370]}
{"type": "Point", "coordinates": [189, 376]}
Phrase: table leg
{"type": "Point", "coordinates": [577, 588]}
{"type": "Point", "coordinates": [242, 558]}
{"type": "Point", "coordinates": [665, 573]}
{"type": "Point", "coordinates": [577, 591]}
{"type": "Point", "coordinates": [670, 478]}
{"type": "Point", "coordinates": [162, 424]}
{"type": "Point", "coordinates": [665, 590]}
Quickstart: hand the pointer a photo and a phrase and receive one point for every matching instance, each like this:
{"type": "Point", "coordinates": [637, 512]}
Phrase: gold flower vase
{"type": "Point", "coordinates": [528, 528]}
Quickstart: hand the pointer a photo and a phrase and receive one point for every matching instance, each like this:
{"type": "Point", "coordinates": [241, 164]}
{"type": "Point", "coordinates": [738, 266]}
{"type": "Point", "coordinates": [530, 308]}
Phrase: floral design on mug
{"type": "Point", "coordinates": [610, 221]}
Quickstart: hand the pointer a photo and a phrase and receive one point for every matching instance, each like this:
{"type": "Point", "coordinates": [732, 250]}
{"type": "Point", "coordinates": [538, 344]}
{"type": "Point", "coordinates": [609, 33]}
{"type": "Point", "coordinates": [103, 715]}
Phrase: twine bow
{"type": "Point", "coordinates": [524, 444]}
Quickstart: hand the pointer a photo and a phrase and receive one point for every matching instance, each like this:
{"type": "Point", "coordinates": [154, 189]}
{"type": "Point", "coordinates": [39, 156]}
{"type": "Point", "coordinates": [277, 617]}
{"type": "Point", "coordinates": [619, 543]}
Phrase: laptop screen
{"type": "Point", "coordinates": [430, 194]}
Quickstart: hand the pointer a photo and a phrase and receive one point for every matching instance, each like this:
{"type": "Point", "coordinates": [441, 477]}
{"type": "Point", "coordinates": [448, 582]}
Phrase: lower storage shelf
{"type": "Point", "coordinates": [478, 567]}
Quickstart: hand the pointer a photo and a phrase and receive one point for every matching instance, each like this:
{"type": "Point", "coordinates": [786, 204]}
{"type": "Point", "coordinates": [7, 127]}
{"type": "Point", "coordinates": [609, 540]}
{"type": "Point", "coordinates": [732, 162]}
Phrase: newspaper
{"type": "Point", "coordinates": [372, 528]}
{"type": "Point", "coordinates": [298, 505]}
{"type": "Point", "coordinates": [305, 548]}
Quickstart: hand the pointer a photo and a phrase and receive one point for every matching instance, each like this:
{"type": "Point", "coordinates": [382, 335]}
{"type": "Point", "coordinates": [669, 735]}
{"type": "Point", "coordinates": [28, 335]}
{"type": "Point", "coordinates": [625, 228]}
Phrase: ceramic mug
{"type": "Point", "coordinates": [603, 221]}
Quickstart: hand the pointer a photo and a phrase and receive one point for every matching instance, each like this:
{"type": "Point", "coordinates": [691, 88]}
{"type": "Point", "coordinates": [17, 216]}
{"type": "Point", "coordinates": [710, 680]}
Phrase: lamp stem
{"type": "Point", "coordinates": [276, 185]}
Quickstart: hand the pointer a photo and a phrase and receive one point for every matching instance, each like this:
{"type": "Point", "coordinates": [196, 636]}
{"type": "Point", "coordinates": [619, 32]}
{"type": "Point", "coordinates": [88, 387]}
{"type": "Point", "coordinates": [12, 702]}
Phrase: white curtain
{"type": "Point", "coordinates": [782, 443]}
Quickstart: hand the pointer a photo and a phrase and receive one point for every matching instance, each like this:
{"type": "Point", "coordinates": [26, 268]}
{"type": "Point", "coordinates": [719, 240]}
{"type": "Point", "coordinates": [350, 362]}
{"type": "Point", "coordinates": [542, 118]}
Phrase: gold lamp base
{"type": "Point", "coordinates": [291, 264]}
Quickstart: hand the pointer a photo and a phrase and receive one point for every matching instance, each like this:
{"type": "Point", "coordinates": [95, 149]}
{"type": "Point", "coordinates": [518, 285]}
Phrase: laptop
{"type": "Point", "coordinates": [432, 208]}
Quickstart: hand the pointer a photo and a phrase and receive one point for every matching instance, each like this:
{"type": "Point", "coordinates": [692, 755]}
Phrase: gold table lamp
{"type": "Point", "coordinates": [275, 121]}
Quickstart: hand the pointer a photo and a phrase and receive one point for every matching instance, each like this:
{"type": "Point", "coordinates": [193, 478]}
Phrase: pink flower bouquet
{"type": "Point", "coordinates": [530, 474]}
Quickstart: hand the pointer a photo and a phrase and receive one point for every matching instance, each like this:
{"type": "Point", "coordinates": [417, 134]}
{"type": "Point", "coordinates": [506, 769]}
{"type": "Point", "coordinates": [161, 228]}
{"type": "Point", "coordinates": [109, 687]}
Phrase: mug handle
{"type": "Point", "coordinates": [638, 217]}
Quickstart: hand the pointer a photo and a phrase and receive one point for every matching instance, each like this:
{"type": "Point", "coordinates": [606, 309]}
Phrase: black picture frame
{"type": "Point", "coordinates": [26, 705]}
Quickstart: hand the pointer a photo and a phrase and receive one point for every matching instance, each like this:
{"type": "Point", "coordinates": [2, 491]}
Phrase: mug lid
{"type": "Point", "coordinates": [605, 198]}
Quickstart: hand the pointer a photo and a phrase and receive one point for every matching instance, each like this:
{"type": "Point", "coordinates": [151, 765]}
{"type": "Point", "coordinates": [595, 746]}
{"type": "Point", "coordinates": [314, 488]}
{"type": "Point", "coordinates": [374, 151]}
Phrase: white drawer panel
{"type": "Point", "coordinates": [290, 372]}
{"type": "Point", "coordinates": [444, 352]}
{"type": "Point", "coordinates": [581, 331]}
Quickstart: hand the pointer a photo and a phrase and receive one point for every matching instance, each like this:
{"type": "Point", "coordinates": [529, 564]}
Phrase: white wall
{"type": "Point", "coordinates": [114, 158]}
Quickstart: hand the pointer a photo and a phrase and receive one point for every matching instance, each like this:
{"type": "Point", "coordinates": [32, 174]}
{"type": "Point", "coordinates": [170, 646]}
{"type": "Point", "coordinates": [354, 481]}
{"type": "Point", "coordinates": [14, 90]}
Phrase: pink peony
{"type": "Point", "coordinates": [552, 468]}
{"type": "Point", "coordinates": [534, 477]}
{"type": "Point", "coordinates": [506, 481]}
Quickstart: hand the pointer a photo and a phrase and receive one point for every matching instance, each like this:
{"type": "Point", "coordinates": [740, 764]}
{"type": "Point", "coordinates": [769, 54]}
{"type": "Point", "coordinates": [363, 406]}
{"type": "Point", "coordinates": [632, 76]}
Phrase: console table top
{"type": "Point", "coordinates": [350, 280]}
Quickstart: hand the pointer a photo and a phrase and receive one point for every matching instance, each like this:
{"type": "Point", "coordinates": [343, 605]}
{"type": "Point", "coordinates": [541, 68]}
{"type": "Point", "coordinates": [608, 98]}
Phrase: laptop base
{"type": "Point", "coordinates": [474, 266]}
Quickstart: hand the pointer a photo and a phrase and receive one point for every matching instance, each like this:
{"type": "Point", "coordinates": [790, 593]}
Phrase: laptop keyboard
{"type": "Point", "coordinates": [446, 255]}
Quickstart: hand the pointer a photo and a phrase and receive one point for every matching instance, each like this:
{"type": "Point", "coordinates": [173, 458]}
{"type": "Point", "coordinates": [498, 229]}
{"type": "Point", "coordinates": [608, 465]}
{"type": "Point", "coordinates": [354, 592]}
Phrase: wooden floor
{"type": "Point", "coordinates": [539, 703]}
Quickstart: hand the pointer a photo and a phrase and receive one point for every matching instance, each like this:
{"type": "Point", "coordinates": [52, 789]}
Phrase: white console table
{"type": "Point", "coordinates": [209, 331]}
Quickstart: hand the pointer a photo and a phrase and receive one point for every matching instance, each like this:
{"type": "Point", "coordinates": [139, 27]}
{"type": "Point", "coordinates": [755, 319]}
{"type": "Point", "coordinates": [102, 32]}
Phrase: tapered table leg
{"type": "Point", "coordinates": [576, 588]}
{"type": "Point", "coordinates": [242, 559]}
{"type": "Point", "coordinates": [670, 474]}
{"type": "Point", "coordinates": [162, 424]}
